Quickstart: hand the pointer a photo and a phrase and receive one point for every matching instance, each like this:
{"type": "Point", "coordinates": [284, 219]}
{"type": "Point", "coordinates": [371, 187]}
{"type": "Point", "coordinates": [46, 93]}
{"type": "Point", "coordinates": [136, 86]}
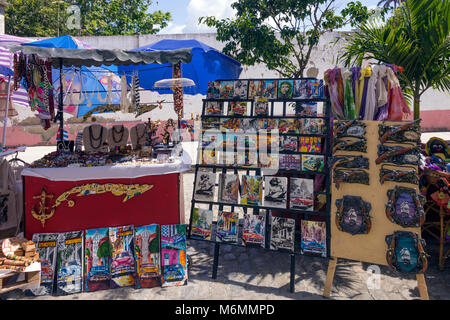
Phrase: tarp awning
{"type": "Point", "coordinates": [98, 57]}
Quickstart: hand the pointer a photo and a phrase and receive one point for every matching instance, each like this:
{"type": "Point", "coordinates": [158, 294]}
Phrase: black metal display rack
{"type": "Point", "coordinates": [322, 215]}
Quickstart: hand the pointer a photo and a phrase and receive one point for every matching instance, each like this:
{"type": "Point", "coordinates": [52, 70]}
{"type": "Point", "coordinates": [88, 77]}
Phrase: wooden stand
{"type": "Point", "coordinates": [31, 279]}
{"type": "Point", "coordinates": [332, 268]}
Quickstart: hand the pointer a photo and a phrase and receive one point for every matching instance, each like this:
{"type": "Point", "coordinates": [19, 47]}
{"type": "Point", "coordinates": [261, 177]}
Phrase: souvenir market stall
{"type": "Point", "coordinates": [110, 183]}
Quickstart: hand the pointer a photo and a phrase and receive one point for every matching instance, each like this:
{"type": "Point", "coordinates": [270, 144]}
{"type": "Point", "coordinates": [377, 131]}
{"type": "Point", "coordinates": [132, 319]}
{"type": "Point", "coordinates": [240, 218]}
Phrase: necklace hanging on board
{"type": "Point", "coordinates": [92, 138]}
{"type": "Point", "coordinates": [114, 132]}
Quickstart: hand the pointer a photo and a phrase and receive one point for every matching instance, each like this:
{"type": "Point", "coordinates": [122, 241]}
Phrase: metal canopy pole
{"type": "Point", "coordinates": [5, 119]}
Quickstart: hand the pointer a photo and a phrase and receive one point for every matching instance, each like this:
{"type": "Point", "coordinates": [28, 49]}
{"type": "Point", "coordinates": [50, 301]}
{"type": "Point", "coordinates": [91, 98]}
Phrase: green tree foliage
{"type": "Point", "coordinates": [38, 18]}
{"type": "Point", "coordinates": [415, 38]}
{"type": "Point", "coordinates": [281, 33]}
{"type": "Point", "coordinates": [153, 246]}
{"type": "Point", "coordinates": [104, 250]}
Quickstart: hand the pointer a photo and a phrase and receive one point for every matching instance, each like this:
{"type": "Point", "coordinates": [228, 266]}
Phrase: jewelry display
{"type": "Point", "coordinates": [94, 138]}
{"type": "Point", "coordinates": [137, 135]}
{"type": "Point", "coordinates": [117, 136]}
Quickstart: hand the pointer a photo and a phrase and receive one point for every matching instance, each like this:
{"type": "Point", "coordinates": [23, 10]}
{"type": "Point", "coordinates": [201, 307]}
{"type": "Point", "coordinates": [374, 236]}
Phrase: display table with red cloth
{"type": "Point", "coordinates": [105, 196]}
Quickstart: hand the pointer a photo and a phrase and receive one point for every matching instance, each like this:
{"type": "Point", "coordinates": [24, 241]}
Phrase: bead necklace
{"type": "Point", "coordinates": [92, 139]}
{"type": "Point", "coordinates": [121, 132]}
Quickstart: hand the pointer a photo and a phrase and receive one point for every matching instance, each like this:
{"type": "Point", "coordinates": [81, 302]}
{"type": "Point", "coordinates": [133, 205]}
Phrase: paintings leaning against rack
{"type": "Point", "coordinates": [173, 255]}
{"type": "Point", "coordinates": [251, 190]}
{"type": "Point", "coordinates": [69, 263]}
{"type": "Point", "coordinates": [123, 271]}
{"type": "Point", "coordinates": [302, 194]}
{"type": "Point", "coordinates": [97, 260]}
{"type": "Point", "coordinates": [253, 233]}
{"type": "Point", "coordinates": [228, 188]}
{"type": "Point", "coordinates": [282, 233]}
{"type": "Point", "coordinates": [205, 186]}
{"type": "Point", "coordinates": [227, 227]}
{"type": "Point", "coordinates": [46, 244]}
{"type": "Point", "coordinates": [201, 224]}
{"type": "Point", "coordinates": [275, 192]}
{"type": "Point", "coordinates": [313, 237]}
{"type": "Point", "coordinates": [147, 256]}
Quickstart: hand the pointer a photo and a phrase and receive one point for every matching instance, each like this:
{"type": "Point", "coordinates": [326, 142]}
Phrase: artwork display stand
{"type": "Point", "coordinates": [370, 247]}
{"type": "Point", "coordinates": [297, 214]}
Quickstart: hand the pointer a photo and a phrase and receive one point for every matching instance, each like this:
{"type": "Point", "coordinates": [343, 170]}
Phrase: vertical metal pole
{"type": "Point", "coordinates": [216, 260]}
{"type": "Point", "coordinates": [5, 119]}
{"type": "Point", "coordinates": [292, 286]}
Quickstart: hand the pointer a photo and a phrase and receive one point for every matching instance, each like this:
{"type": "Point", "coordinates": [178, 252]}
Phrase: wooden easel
{"type": "Point", "coordinates": [332, 268]}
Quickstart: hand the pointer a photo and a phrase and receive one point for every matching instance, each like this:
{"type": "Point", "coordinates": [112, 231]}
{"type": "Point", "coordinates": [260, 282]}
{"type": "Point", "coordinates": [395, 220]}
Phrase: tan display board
{"type": "Point", "coordinates": [369, 247]}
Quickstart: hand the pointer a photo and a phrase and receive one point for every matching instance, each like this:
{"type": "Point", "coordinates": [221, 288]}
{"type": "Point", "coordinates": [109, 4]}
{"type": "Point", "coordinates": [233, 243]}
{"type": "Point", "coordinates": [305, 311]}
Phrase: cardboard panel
{"type": "Point", "coordinates": [369, 247]}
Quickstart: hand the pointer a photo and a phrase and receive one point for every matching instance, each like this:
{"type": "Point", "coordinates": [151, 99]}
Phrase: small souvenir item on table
{"type": "Point", "coordinates": [254, 231]}
{"type": "Point", "coordinates": [350, 176]}
{"type": "Point", "coordinates": [69, 263]}
{"type": "Point", "coordinates": [312, 126]}
{"type": "Point", "coordinates": [301, 194]}
{"type": "Point", "coordinates": [270, 89]}
{"type": "Point", "coordinates": [396, 173]}
{"type": "Point", "coordinates": [310, 144]}
{"type": "Point", "coordinates": [275, 192]}
{"type": "Point", "coordinates": [288, 143]}
{"type": "Point", "coordinates": [97, 263]}
{"type": "Point", "coordinates": [205, 183]}
{"type": "Point", "coordinates": [353, 215]}
{"type": "Point", "coordinates": [226, 89]}
{"type": "Point", "coordinates": [117, 136]}
{"type": "Point", "coordinates": [359, 145]}
{"type": "Point", "coordinates": [173, 255]}
{"type": "Point", "coordinates": [349, 128]}
{"type": "Point", "coordinates": [123, 269]}
{"type": "Point", "coordinates": [251, 190]}
{"type": "Point", "coordinates": [255, 88]}
{"type": "Point", "coordinates": [282, 233]}
{"type": "Point", "coordinates": [201, 224]}
{"type": "Point", "coordinates": [227, 227]}
{"type": "Point", "coordinates": [46, 245]}
{"type": "Point", "coordinates": [405, 252]}
{"type": "Point", "coordinates": [285, 89]}
{"type": "Point", "coordinates": [137, 135]}
{"type": "Point", "coordinates": [313, 237]}
{"type": "Point", "coordinates": [314, 163]}
{"type": "Point", "coordinates": [147, 256]}
{"type": "Point", "coordinates": [404, 207]}
{"type": "Point", "coordinates": [214, 108]}
{"type": "Point", "coordinates": [408, 132]}
{"type": "Point", "coordinates": [228, 188]}
{"type": "Point", "coordinates": [398, 154]}
{"type": "Point", "coordinates": [240, 89]}
{"type": "Point", "coordinates": [94, 138]}
{"type": "Point", "coordinates": [261, 106]}
{"type": "Point", "coordinates": [437, 147]}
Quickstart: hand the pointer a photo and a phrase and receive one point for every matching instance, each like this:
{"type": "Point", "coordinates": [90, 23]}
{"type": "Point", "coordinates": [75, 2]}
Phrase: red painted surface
{"type": "Point", "coordinates": [158, 205]}
{"type": "Point", "coordinates": [435, 120]}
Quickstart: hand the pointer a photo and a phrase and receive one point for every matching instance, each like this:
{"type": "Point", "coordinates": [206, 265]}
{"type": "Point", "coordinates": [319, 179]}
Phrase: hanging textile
{"type": "Point", "coordinates": [331, 80]}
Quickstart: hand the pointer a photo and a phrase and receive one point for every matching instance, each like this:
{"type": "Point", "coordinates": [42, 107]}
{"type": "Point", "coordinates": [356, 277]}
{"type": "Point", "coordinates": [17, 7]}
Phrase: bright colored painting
{"type": "Point", "coordinates": [46, 246]}
{"type": "Point", "coordinates": [201, 224]}
{"type": "Point", "coordinates": [69, 263]}
{"type": "Point", "coordinates": [254, 231]}
{"type": "Point", "coordinates": [173, 255]}
{"type": "Point", "coordinates": [147, 256]}
{"type": "Point", "coordinates": [227, 227]}
{"type": "Point", "coordinates": [123, 269]}
{"type": "Point", "coordinates": [313, 237]}
{"type": "Point", "coordinates": [97, 260]}
{"type": "Point", "coordinates": [251, 190]}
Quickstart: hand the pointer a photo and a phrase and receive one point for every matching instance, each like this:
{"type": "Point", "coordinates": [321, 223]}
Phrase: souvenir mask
{"type": "Point", "coordinates": [352, 215]}
{"type": "Point", "coordinates": [405, 252]}
{"type": "Point", "coordinates": [404, 207]}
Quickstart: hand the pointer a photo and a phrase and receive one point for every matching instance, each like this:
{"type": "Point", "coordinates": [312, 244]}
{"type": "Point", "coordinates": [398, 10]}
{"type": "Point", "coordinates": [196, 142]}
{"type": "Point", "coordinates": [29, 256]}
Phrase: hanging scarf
{"type": "Point", "coordinates": [330, 78]}
{"type": "Point", "coordinates": [349, 100]}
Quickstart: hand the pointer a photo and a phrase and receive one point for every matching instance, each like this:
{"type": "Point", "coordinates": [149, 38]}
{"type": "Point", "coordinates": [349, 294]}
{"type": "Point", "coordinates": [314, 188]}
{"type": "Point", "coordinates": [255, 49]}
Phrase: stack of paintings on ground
{"type": "Point", "coordinates": [111, 257]}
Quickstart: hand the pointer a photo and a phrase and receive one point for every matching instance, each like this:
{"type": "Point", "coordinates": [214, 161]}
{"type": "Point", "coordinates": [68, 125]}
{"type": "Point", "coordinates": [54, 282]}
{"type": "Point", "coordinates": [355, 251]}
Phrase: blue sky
{"type": "Point", "coordinates": [185, 13]}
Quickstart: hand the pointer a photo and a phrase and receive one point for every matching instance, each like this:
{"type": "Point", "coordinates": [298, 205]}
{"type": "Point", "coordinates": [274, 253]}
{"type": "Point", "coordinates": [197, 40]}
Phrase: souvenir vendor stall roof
{"type": "Point", "coordinates": [207, 64]}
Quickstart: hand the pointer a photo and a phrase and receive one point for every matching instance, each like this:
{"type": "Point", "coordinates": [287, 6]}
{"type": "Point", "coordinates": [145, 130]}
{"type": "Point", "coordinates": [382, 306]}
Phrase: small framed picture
{"type": "Point", "coordinates": [240, 89]}
{"type": "Point", "coordinates": [285, 89]}
{"type": "Point", "coordinates": [226, 89]}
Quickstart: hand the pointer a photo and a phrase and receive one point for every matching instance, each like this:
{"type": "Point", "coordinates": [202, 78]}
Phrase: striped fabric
{"type": "Point", "coordinates": [19, 97]}
{"type": "Point", "coordinates": [58, 135]}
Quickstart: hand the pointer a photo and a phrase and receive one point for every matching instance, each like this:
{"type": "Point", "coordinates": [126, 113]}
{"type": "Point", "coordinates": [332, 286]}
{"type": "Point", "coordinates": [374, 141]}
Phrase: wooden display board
{"type": "Point", "coordinates": [371, 247]}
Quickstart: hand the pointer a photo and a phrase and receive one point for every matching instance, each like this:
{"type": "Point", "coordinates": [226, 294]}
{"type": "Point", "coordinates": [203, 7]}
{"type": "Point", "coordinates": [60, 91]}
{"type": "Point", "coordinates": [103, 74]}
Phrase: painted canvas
{"type": "Point", "coordinates": [267, 124]}
{"type": "Point", "coordinates": [310, 144]}
{"type": "Point", "coordinates": [227, 227]}
{"type": "Point", "coordinates": [285, 89]}
{"type": "Point", "coordinates": [275, 192]}
{"type": "Point", "coordinates": [282, 233]}
{"type": "Point", "coordinates": [306, 109]}
{"type": "Point", "coordinates": [252, 190]}
{"type": "Point", "coordinates": [226, 89]}
{"type": "Point", "coordinates": [240, 89]}
{"type": "Point", "coordinates": [313, 163]}
{"type": "Point", "coordinates": [290, 162]}
{"type": "Point", "coordinates": [248, 159]}
{"type": "Point", "coordinates": [237, 108]}
{"type": "Point", "coordinates": [228, 159]}
{"type": "Point", "coordinates": [255, 88]}
{"type": "Point", "coordinates": [248, 125]}
{"type": "Point", "coordinates": [210, 123]}
{"type": "Point", "coordinates": [300, 89]}
{"type": "Point", "coordinates": [214, 108]}
{"type": "Point", "coordinates": [315, 88]}
{"type": "Point", "coordinates": [270, 89]}
{"type": "Point", "coordinates": [288, 143]}
{"type": "Point", "coordinates": [147, 256]}
{"type": "Point", "coordinates": [228, 188]}
{"type": "Point", "coordinates": [173, 255]}
{"type": "Point", "coordinates": [313, 237]}
{"type": "Point", "coordinates": [209, 157]}
{"type": "Point", "coordinates": [261, 107]}
{"type": "Point", "coordinates": [213, 90]}
{"type": "Point", "coordinates": [254, 230]}
{"type": "Point", "coordinates": [227, 124]}
{"type": "Point", "coordinates": [205, 186]}
{"type": "Point", "coordinates": [46, 246]}
{"type": "Point", "coordinates": [97, 260]}
{"type": "Point", "coordinates": [210, 141]}
{"type": "Point", "coordinates": [268, 161]}
{"type": "Point", "coordinates": [247, 141]}
{"type": "Point", "coordinates": [201, 224]}
{"type": "Point", "coordinates": [312, 126]}
{"type": "Point", "coordinates": [301, 194]}
{"type": "Point", "coordinates": [288, 125]}
{"type": "Point", "coordinates": [123, 268]}
{"type": "Point", "coordinates": [69, 263]}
